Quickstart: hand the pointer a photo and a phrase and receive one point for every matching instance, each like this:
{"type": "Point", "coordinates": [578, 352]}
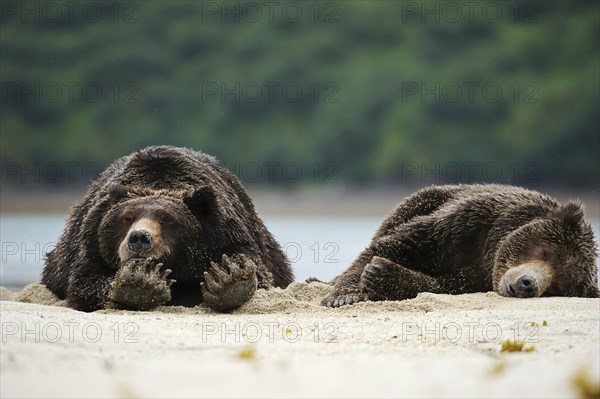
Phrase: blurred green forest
{"type": "Point", "coordinates": [386, 87]}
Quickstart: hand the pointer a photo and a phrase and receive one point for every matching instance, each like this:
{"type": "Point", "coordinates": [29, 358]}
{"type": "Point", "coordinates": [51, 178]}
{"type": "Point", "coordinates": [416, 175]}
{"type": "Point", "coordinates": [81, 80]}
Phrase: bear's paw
{"type": "Point", "coordinates": [140, 285]}
{"type": "Point", "coordinates": [230, 283]}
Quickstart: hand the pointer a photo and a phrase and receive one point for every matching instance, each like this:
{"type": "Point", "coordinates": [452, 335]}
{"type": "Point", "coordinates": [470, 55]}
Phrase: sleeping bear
{"type": "Point", "coordinates": [164, 225]}
{"type": "Point", "coordinates": [470, 238]}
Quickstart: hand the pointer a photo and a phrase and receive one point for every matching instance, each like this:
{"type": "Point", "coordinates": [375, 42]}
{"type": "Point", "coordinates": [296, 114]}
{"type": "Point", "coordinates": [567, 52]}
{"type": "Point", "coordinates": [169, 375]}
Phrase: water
{"type": "Point", "coordinates": [322, 247]}
{"type": "Point", "coordinates": [317, 246]}
{"type": "Point", "coordinates": [24, 241]}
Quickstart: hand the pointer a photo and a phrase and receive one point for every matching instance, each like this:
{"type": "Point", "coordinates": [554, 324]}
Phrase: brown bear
{"type": "Point", "coordinates": [472, 238]}
{"type": "Point", "coordinates": [164, 225]}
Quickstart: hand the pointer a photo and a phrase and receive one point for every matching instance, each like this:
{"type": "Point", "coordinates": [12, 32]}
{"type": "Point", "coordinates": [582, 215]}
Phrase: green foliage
{"type": "Point", "coordinates": [355, 67]}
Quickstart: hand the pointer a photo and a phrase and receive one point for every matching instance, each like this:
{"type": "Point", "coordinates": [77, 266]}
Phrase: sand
{"type": "Point", "coordinates": [284, 344]}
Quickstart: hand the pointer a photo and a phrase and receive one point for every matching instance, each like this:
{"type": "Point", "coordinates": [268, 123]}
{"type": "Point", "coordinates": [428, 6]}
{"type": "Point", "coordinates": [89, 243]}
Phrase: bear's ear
{"type": "Point", "coordinates": [202, 201]}
{"type": "Point", "coordinates": [571, 213]}
{"type": "Point", "coordinates": [116, 192]}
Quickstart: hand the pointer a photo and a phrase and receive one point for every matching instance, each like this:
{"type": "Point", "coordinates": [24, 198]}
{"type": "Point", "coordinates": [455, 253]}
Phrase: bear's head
{"type": "Point", "coordinates": [169, 226]}
{"type": "Point", "coordinates": [549, 256]}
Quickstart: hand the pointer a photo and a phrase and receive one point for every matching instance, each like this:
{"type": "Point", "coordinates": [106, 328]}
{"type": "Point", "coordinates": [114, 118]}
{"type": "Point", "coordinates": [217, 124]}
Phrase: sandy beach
{"type": "Point", "coordinates": [284, 344]}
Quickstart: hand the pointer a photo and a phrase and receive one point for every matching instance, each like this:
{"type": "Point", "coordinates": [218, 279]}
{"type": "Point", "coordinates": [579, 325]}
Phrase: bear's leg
{"type": "Point", "coordinates": [383, 280]}
{"type": "Point", "coordinates": [408, 247]}
{"type": "Point", "coordinates": [345, 286]}
{"type": "Point", "coordinates": [88, 287]}
{"type": "Point", "coordinates": [229, 284]}
{"type": "Point", "coordinates": [140, 285]}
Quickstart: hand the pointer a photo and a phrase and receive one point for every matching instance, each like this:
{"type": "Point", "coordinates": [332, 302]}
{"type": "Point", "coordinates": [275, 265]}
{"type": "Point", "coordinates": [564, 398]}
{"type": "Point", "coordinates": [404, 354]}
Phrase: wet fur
{"type": "Point", "coordinates": [461, 239]}
{"type": "Point", "coordinates": [85, 259]}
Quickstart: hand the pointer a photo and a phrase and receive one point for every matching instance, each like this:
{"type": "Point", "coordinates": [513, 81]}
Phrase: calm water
{"type": "Point", "coordinates": [320, 247]}
{"type": "Point", "coordinates": [317, 246]}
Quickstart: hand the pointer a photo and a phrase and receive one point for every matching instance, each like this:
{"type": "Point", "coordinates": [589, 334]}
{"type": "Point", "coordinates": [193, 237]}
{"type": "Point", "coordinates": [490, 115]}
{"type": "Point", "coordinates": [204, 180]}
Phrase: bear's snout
{"type": "Point", "coordinates": [143, 239]}
{"type": "Point", "coordinates": [525, 287]}
{"type": "Point", "coordinates": [139, 241]}
{"type": "Point", "coordinates": [527, 280]}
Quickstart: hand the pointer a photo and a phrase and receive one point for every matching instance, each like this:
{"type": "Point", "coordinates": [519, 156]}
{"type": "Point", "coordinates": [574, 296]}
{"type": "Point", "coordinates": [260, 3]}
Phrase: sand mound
{"type": "Point", "coordinates": [428, 302]}
{"type": "Point", "coordinates": [298, 297]}
{"type": "Point", "coordinates": [38, 293]}
{"type": "Point", "coordinates": [6, 294]}
{"type": "Point", "coordinates": [305, 298]}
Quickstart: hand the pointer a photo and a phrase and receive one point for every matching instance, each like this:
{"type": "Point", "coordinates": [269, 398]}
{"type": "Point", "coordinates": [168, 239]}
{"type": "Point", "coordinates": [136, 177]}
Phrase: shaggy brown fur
{"type": "Point", "coordinates": [470, 238]}
{"type": "Point", "coordinates": [164, 225]}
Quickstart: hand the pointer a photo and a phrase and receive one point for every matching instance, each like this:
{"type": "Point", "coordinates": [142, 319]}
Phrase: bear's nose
{"type": "Point", "coordinates": [139, 241]}
{"type": "Point", "coordinates": [526, 286]}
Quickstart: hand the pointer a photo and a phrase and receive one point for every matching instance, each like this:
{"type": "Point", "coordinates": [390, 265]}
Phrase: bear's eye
{"type": "Point", "coordinates": [164, 220]}
{"type": "Point", "coordinates": [127, 219]}
{"type": "Point", "coordinates": [545, 254]}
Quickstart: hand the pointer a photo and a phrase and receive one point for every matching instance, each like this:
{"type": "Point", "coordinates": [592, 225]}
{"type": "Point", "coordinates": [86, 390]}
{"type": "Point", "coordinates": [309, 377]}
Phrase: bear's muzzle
{"type": "Point", "coordinates": [527, 280]}
{"type": "Point", "coordinates": [143, 240]}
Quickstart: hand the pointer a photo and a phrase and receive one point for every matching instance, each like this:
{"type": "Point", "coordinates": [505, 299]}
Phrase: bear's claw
{"type": "Point", "coordinates": [334, 302]}
{"type": "Point", "coordinates": [368, 280]}
{"type": "Point", "coordinates": [140, 285]}
{"type": "Point", "coordinates": [229, 284]}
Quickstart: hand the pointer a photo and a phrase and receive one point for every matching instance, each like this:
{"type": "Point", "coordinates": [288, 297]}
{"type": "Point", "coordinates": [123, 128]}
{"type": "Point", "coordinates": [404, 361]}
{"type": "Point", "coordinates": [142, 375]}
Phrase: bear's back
{"type": "Point", "coordinates": [487, 202]}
